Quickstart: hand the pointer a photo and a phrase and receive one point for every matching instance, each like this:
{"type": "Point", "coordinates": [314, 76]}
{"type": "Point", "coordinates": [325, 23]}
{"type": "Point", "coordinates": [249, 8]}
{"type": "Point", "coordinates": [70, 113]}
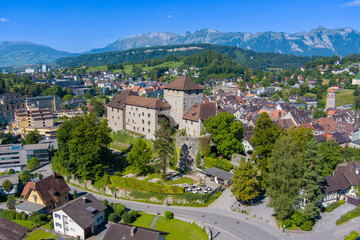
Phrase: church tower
{"type": "Point", "coordinates": [331, 99]}
{"type": "Point", "coordinates": [182, 94]}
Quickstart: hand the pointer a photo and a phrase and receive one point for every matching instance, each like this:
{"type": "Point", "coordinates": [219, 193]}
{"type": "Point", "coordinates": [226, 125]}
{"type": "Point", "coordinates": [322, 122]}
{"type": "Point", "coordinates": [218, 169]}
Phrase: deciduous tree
{"type": "Point", "coordinates": [139, 156]}
{"type": "Point", "coordinates": [33, 163]}
{"type": "Point", "coordinates": [7, 186]}
{"type": "Point", "coordinates": [246, 185]}
{"type": "Point", "coordinates": [33, 137]}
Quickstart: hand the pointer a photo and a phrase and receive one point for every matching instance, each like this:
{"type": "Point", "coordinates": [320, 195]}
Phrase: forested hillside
{"type": "Point", "coordinates": [246, 58]}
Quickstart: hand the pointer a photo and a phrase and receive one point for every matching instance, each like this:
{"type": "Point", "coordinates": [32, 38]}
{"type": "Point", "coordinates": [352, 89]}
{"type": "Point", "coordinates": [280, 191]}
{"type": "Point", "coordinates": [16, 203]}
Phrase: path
{"type": "Point", "coordinates": [154, 221]}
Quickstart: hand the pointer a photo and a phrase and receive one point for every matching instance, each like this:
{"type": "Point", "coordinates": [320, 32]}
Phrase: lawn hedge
{"type": "Point", "coordinates": [349, 215]}
{"type": "Point", "coordinates": [139, 185]}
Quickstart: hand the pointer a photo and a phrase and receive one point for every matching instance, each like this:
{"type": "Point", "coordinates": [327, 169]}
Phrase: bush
{"type": "Point", "coordinates": [113, 217]}
{"type": "Point", "coordinates": [169, 215]}
{"type": "Point", "coordinates": [349, 215]}
{"type": "Point", "coordinates": [105, 202]}
{"type": "Point", "coordinates": [353, 236]}
{"type": "Point", "coordinates": [24, 216]}
{"type": "Point", "coordinates": [8, 214]}
{"type": "Point", "coordinates": [74, 194]}
{"type": "Point", "coordinates": [287, 222]}
{"type": "Point", "coordinates": [127, 218]}
{"type": "Point", "coordinates": [198, 160]}
{"type": "Point", "coordinates": [119, 209]}
{"type": "Point", "coordinates": [218, 162]}
{"type": "Point", "coordinates": [298, 218]}
{"type": "Point", "coordinates": [51, 224]}
{"type": "Point", "coordinates": [37, 218]}
{"type": "Point", "coordinates": [334, 205]}
{"type": "Point", "coordinates": [134, 184]}
{"type": "Point", "coordinates": [307, 225]}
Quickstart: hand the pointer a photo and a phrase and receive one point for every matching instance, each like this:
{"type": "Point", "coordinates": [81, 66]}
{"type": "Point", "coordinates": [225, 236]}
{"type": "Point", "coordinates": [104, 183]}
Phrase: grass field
{"type": "Point", "coordinates": [180, 230]}
{"type": "Point", "coordinates": [27, 224]}
{"type": "Point", "coordinates": [95, 69]}
{"type": "Point", "coordinates": [144, 220]}
{"type": "Point", "coordinates": [345, 97]}
{"type": "Point", "coordinates": [181, 181]}
{"type": "Point", "coordinates": [41, 234]}
{"type": "Point", "coordinates": [127, 68]}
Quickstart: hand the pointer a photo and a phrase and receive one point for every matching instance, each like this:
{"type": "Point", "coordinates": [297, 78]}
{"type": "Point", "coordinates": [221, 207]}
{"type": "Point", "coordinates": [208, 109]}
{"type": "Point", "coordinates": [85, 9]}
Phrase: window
{"type": "Point", "coordinates": [143, 113]}
{"type": "Point", "coordinates": [143, 129]}
{"type": "Point", "coordinates": [57, 216]}
{"type": "Point", "coordinates": [148, 114]}
{"type": "Point", "coordinates": [148, 122]}
{"type": "Point", "coordinates": [148, 130]}
{"type": "Point", "coordinates": [35, 198]}
{"type": "Point", "coordinates": [131, 108]}
{"type": "Point", "coordinates": [71, 229]}
{"type": "Point", "coordinates": [58, 225]}
{"type": "Point", "coordinates": [100, 219]}
{"type": "Point", "coordinates": [136, 109]}
{"type": "Point", "coordinates": [142, 121]}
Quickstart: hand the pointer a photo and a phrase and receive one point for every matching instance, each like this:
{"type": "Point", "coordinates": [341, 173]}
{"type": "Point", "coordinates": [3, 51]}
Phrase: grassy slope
{"type": "Point", "coordinates": [27, 224]}
{"type": "Point", "coordinates": [41, 234]}
{"type": "Point", "coordinates": [345, 97]}
{"type": "Point", "coordinates": [180, 230]}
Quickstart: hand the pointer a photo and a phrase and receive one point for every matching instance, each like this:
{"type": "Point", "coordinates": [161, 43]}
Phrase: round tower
{"type": "Point", "coordinates": [331, 99]}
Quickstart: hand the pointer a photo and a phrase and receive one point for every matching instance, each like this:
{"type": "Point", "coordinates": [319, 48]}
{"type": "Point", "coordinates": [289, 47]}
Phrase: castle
{"type": "Point", "coordinates": [331, 99]}
{"type": "Point", "coordinates": [183, 106]}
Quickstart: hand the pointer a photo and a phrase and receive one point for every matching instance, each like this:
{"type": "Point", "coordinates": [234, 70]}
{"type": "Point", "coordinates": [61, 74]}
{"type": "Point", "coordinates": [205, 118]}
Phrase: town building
{"type": "Point", "coordinates": [34, 117]}
{"type": "Point", "coordinates": [12, 157]}
{"type": "Point", "coordinates": [46, 194]}
{"type": "Point", "coordinates": [117, 230]}
{"type": "Point", "coordinates": [331, 99]}
{"type": "Point", "coordinates": [50, 102]}
{"type": "Point", "coordinates": [219, 176]}
{"type": "Point", "coordinates": [79, 217]}
{"type": "Point", "coordinates": [8, 103]}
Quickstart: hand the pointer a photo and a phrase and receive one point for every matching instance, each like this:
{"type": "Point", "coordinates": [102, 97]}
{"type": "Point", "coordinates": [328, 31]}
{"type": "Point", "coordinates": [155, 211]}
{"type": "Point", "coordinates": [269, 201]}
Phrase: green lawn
{"type": "Point", "coordinates": [41, 234]}
{"type": "Point", "coordinates": [27, 224]}
{"type": "Point", "coordinates": [180, 230]}
{"type": "Point", "coordinates": [144, 220]}
{"type": "Point", "coordinates": [181, 181]}
{"type": "Point", "coordinates": [98, 68]}
{"type": "Point", "coordinates": [345, 97]}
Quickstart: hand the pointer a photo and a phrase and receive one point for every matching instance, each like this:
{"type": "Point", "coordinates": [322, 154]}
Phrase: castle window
{"type": "Point", "coordinates": [112, 109]}
{"type": "Point", "coordinates": [131, 108]}
{"type": "Point", "coordinates": [112, 117]}
{"type": "Point", "coordinates": [143, 113]}
{"type": "Point", "coordinates": [143, 129]}
{"type": "Point", "coordinates": [136, 109]}
{"type": "Point", "coordinates": [143, 121]}
{"type": "Point", "coordinates": [148, 114]}
{"type": "Point", "coordinates": [148, 122]}
{"type": "Point", "coordinates": [149, 130]}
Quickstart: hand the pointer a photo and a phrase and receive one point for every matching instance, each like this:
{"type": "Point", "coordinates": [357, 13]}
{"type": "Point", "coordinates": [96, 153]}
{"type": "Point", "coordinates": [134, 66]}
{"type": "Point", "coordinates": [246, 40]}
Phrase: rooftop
{"type": "Point", "coordinates": [183, 83]}
{"type": "Point", "coordinates": [10, 230]}
{"type": "Point", "coordinates": [122, 231]}
{"type": "Point", "coordinates": [216, 172]}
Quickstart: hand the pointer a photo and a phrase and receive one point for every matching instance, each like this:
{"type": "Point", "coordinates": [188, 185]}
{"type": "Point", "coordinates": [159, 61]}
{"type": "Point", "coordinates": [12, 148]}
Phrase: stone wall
{"type": "Point", "coordinates": [192, 148]}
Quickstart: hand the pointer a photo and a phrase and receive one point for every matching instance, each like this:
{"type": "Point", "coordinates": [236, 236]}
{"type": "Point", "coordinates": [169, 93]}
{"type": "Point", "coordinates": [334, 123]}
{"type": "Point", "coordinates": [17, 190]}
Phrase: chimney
{"type": "Point", "coordinates": [84, 199]}
{"type": "Point", "coordinates": [133, 231]}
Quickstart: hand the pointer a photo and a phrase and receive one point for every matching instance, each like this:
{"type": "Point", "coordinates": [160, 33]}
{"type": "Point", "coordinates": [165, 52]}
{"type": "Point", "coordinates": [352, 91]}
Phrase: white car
{"type": "Point", "coordinates": [205, 191]}
{"type": "Point", "coordinates": [194, 191]}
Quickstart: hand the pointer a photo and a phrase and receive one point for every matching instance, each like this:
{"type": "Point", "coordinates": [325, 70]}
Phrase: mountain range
{"type": "Point", "coordinates": [319, 41]}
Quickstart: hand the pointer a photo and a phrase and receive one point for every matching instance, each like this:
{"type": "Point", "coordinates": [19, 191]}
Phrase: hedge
{"type": "Point", "coordinates": [334, 205]}
{"type": "Point", "coordinates": [349, 215]}
{"type": "Point", "coordinates": [139, 185]}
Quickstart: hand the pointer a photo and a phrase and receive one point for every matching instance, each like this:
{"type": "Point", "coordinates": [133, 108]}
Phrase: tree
{"type": "Point", "coordinates": [67, 97]}
{"type": "Point", "coordinates": [25, 176]}
{"type": "Point", "coordinates": [74, 194]}
{"type": "Point", "coordinates": [284, 179]}
{"type": "Point", "coordinates": [99, 108]}
{"type": "Point", "coordinates": [163, 144]}
{"type": "Point", "coordinates": [7, 186]}
{"type": "Point", "coordinates": [198, 159]}
{"type": "Point", "coordinates": [319, 113]}
{"type": "Point", "coordinates": [246, 185]}
{"type": "Point", "coordinates": [33, 163]}
{"type": "Point", "coordinates": [139, 156]}
{"type": "Point", "coordinates": [83, 147]}
{"type": "Point", "coordinates": [226, 133]}
{"type": "Point", "coordinates": [332, 156]}
{"type": "Point", "coordinates": [88, 94]}
{"type": "Point", "coordinates": [357, 103]}
{"type": "Point", "coordinates": [264, 137]}
{"type": "Point", "coordinates": [312, 180]}
{"type": "Point", "coordinates": [33, 137]}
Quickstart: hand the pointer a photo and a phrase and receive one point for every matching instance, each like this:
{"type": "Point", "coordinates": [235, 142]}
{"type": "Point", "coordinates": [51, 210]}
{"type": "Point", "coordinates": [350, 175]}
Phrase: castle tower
{"type": "Point", "coordinates": [182, 94]}
{"type": "Point", "coordinates": [331, 99]}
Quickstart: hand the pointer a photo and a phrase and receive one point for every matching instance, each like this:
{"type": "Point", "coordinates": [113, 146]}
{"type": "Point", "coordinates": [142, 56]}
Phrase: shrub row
{"type": "Point", "coordinates": [134, 184]}
{"type": "Point", "coordinates": [349, 215]}
{"type": "Point", "coordinates": [218, 162]}
{"type": "Point", "coordinates": [334, 205]}
{"type": "Point", "coordinates": [298, 220]}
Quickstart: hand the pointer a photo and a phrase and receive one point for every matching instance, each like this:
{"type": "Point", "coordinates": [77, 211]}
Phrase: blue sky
{"type": "Point", "coordinates": [80, 25]}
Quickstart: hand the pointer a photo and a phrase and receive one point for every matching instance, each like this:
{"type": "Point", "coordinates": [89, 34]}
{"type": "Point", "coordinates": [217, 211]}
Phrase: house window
{"type": "Point", "coordinates": [57, 216]}
{"type": "Point", "coordinates": [35, 198]}
{"type": "Point", "coordinates": [58, 225]}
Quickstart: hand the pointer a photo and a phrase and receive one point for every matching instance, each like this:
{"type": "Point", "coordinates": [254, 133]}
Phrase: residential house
{"type": "Point", "coordinates": [48, 193]}
{"type": "Point", "coordinates": [10, 230]}
{"type": "Point", "coordinates": [341, 185]}
{"type": "Point", "coordinates": [122, 231]}
{"type": "Point", "coordinates": [14, 179]}
{"type": "Point", "coordinates": [79, 217]}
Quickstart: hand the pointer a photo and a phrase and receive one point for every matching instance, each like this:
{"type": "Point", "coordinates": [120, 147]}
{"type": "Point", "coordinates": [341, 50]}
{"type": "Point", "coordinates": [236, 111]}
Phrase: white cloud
{"type": "Point", "coordinates": [169, 16]}
{"type": "Point", "coordinates": [353, 3]}
{"type": "Point", "coordinates": [4, 20]}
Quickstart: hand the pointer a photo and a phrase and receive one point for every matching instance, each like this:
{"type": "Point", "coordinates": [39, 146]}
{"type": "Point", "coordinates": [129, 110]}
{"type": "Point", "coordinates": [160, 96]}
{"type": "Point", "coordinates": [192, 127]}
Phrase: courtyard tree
{"type": "Point", "coordinates": [33, 137]}
{"type": "Point", "coordinates": [139, 156]}
{"type": "Point", "coordinates": [226, 133]}
{"type": "Point", "coordinates": [33, 163]}
{"type": "Point", "coordinates": [163, 144]}
{"type": "Point", "coordinates": [7, 186]}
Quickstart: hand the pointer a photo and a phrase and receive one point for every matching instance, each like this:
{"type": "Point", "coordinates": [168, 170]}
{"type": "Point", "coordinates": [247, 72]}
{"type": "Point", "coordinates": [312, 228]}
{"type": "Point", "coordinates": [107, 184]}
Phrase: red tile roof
{"type": "Point", "coordinates": [201, 111]}
{"type": "Point", "coordinates": [146, 102]}
{"type": "Point", "coordinates": [49, 188]}
{"type": "Point", "coordinates": [119, 100]}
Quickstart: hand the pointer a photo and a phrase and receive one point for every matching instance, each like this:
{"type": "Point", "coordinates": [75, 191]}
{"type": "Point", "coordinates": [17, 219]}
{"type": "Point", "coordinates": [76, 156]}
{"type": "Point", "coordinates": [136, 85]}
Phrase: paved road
{"type": "Point", "coordinates": [226, 224]}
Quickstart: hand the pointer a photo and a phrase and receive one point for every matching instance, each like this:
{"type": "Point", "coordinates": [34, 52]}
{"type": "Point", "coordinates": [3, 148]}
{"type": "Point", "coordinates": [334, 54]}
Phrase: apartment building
{"type": "Point", "coordinates": [8, 103]}
{"type": "Point", "coordinates": [50, 102]}
{"type": "Point", "coordinates": [34, 117]}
